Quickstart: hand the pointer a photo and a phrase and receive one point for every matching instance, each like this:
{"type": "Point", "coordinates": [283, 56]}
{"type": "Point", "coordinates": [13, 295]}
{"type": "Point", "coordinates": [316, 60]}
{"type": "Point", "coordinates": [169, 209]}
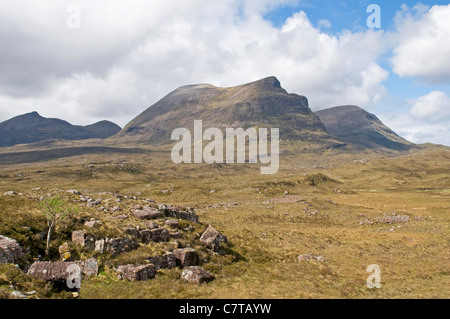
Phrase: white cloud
{"type": "Point", "coordinates": [415, 130]}
{"type": "Point", "coordinates": [129, 54]}
{"type": "Point", "coordinates": [422, 46]}
{"type": "Point", "coordinates": [433, 107]}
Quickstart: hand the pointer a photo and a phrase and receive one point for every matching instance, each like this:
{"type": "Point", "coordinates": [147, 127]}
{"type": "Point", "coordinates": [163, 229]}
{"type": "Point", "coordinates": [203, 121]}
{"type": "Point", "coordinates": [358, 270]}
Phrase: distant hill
{"type": "Point", "coordinates": [32, 127]}
{"type": "Point", "coordinates": [361, 129]}
{"type": "Point", "coordinates": [262, 103]}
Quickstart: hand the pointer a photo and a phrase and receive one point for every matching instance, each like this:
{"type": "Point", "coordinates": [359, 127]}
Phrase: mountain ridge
{"type": "Point", "coordinates": [32, 127]}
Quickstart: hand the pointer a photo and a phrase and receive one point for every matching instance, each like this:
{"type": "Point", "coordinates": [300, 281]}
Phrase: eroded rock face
{"type": "Point", "coordinates": [197, 275]}
{"type": "Point", "coordinates": [59, 273]}
{"type": "Point", "coordinates": [186, 257]}
{"type": "Point", "coordinates": [212, 239]}
{"type": "Point", "coordinates": [89, 267]}
{"type": "Point", "coordinates": [137, 273]}
{"type": "Point", "coordinates": [10, 250]}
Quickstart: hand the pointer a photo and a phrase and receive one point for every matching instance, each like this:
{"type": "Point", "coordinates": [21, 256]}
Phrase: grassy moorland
{"type": "Point", "coordinates": [330, 205]}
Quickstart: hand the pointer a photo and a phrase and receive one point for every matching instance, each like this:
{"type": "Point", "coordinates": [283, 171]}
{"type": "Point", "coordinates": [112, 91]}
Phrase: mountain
{"type": "Point", "coordinates": [361, 129]}
{"type": "Point", "coordinates": [262, 103]}
{"type": "Point", "coordinates": [32, 127]}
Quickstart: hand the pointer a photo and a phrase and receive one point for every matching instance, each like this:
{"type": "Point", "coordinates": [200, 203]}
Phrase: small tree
{"type": "Point", "coordinates": [55, 210]}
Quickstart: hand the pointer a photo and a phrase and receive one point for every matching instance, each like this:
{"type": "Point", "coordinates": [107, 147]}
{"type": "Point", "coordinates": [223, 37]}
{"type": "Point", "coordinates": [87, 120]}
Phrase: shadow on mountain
{"type": "Point", "coordinates": [48, 155]}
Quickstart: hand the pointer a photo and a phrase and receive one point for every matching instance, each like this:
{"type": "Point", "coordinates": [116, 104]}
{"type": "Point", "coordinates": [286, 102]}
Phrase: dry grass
{"type": "Point", "coordinates": [328, 197]}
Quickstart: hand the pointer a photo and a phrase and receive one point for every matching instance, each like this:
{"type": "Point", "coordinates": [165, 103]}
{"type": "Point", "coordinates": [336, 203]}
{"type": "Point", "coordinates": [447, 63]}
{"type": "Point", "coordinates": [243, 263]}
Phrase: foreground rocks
{"type": "Point", "coordinates": [10, 251]}
{"type": "Point", "coordinates": [56, 272]}
{"type": "Point", "coordinates": [186, 257]}
{"type": "Point", "coordinates": [137, 273]}
{"type": "Point", "coordinates": [212, 239]}
{"type": "Point", "coordinates": [197, 275]}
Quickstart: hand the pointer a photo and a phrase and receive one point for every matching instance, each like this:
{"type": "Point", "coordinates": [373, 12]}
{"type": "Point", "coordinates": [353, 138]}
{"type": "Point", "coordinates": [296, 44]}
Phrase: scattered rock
{"type": "Point", "coordinates": [122, 217]}
{"type": "Point", "coordinates": [172, 223]}
{"type": "Point", "coordinates": [18, 295]}
{"type": "Point", "coordinates": [81, 238]}
{"type": "Point", "coordinates": [10, 250]}
{"type": "Point", "coordinates": [186, 257]}
{"type": "Point", "coordinates": [168, 260]}
{"type": "Point", "coordinates": [92, 223]}
{"type": "Point", "coordinates": [196, 275]}
{"type": "Point", "coordinates": [212, 239]}
{"type": "Point", "coordinates": [156, 235]}
{"type": "Point", "coordinates": [74, 192]}
{"type": "Point", "coordinates": [115, 209]}
{"type": "Point", "coordinates": [116, 246]}
{"type": "Point", "coordinates": [147, 213]}
{"type": "Point", "coordinates": [175, 212]}
{"type": "Point", "coordinates": [395, 219]}
{"type": "Point", "coordinates": [309, 257]}
{"type": "Point", "coordinates": [9, 193]}
{"type": "Point", "coordinates": [176, 235]}
{"type": "Point", "coordinates": [89, 267]}
{"type": "Point", "coordinates": [137, 273]}
{"type": "Point", "coordinates": [100, 245]}
{"type": "Point", "coordinates": [64, 251]}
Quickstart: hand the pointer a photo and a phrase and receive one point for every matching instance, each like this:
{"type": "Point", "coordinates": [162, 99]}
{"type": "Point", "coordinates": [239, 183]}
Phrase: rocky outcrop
{"type": "Point", "coordinates": [137, 273]}
{"type": "Point", "coordinates": [10, 250]}
{"type": "Point", "coordinates": [116, 246]}
{"type": "Point", "coordinates": [196, 275]}
{"type": "Point", "coordinates": [146, 213]}
{"type": "Point", "coordinates": [59, 273]}
{"type": "Point", "coordinates": [212, 239]}
{"type": "Point", "coordinates": [176, 212]}
{"type": "Point", "coordinates": [186, 257]}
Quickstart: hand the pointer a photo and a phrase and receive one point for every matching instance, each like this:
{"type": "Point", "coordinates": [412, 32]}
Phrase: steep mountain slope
{"type": "Point", "coordinates": [353, 125]}
{"type": "Point", "coordinates": [263, 103]}
{"type": "Point", "coordinates": [32, 127]}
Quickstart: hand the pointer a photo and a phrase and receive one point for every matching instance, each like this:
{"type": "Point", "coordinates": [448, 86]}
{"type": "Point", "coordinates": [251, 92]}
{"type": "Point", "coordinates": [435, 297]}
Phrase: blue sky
{"type": "Point", "coordinates": [86, 61]}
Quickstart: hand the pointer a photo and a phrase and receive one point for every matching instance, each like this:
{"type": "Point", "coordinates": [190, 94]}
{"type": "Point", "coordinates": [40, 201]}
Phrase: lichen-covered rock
{"type": "Point", "coordinates": [116, 246]}
{"type": "Point", "coordinates": [137, 273]}
{"type": "Point", "coordinates": [197, 275]}
{"type": "Point", "coordinates": [146, 213]}
{"type": "Point", "coordinates": [64, 251]}
{"type": "Point", "coordinates": [212, 239]}
{"type": "Point", "coordinates": [168, 260]}
{"type": "Point", "coordinates": [172, 223]}
{"type": "Point", "coordinates": [176, 212]}
{"type": "Point", "coordinates": [89, 267]}
{"type": "Point", "coordinates": [186, 257]}
{"type": "Point", "coordinates": [83, 239]}
{"type": "Point", "coordinates": [59, 273]}
{"type": "Point", "coordinates": [100, 245]}
{"type": "Point", "coordinates": [154, 235]}
{"type": "Point", "coordinates": [10, 250]}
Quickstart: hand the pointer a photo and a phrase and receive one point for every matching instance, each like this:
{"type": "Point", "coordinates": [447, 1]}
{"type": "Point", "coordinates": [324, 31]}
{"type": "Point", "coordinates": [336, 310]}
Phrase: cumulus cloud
{"type": "Point", "coordinates": [421, 43]}
{"type": "Point", "coordinates": [129, 54]}
{"type": "Point", "coordinates": [433, 107]}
